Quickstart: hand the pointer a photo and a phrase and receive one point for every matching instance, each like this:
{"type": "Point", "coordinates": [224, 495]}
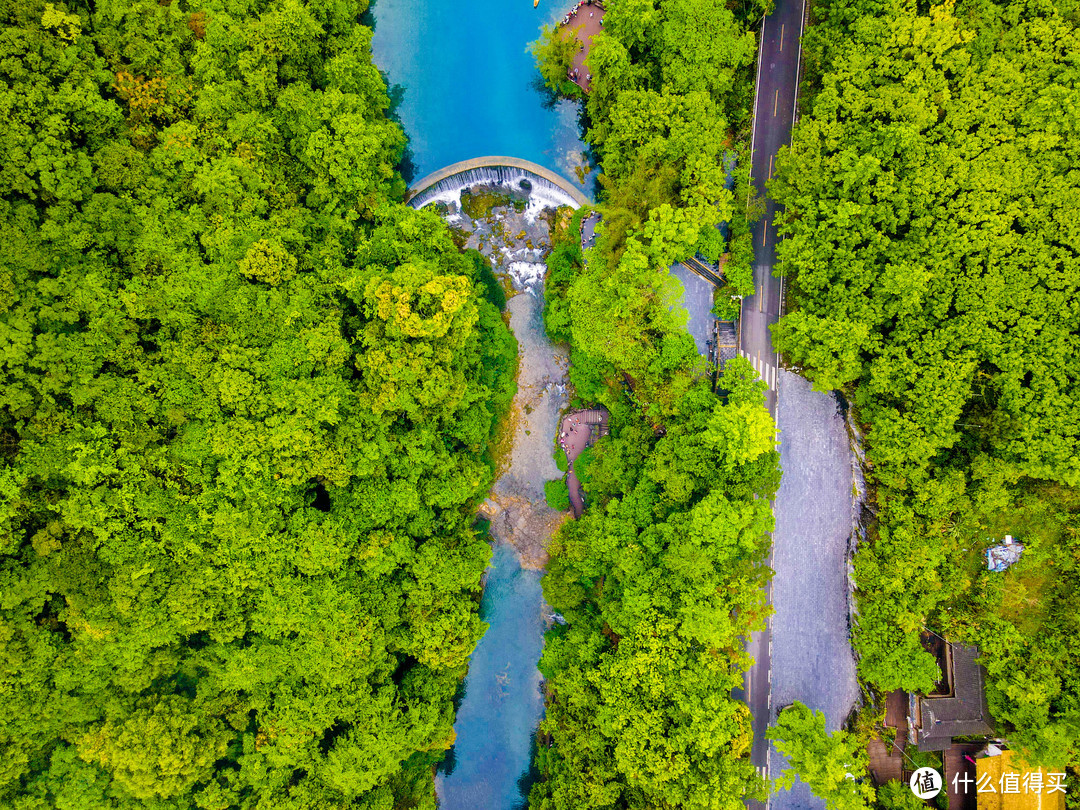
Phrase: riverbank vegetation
{"type": "Point", "coordinates": [662, 580]}
{"type": "Point", "coordinates": [933, 270]}
{"type": "Point", "coordinates": [246, 404]}
{"type": "Point", "coordinates": [671, 94]}
{"type": "Point", "coordinates": [554, 53]}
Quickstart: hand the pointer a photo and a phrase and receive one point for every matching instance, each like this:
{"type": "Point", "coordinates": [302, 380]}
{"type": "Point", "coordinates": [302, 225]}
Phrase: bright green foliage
{"type": "Point", "coordinates": [554, 53]}
{"type": "Point", "coordinates": [929, 270]}
{"type": "Point", "coordinates": [557, 494]}
{"type": "Point", "coordinates": [662, 580]}
{"type": "Point", "coordinates": [933, 261]}
{"type": "Point", "coordinates": [245, 402]}
{"type": "Point", "coordinates": [738, 267]}
{"type": "Point", "coordinates": [583, 466]}
{"type": "Point", "coordinates": [563, 263]}
{"type": "Point", "coordinates": [671, 81]}
{"type": "Point", "coordinates": [560, 460]}
{"type": "Point", "coordinates": [1026, 621]}
{"type": "Point", "coordinates": [833, 766]}
{"type": "Point", "coordinates": [660, 583]}
{"type": "Point", "coordinates": [895, 795]}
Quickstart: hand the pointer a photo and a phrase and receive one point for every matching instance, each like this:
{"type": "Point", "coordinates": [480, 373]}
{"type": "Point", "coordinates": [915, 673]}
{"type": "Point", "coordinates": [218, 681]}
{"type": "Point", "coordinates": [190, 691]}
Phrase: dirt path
{"type": "Point", "coordinates": [573, 438]}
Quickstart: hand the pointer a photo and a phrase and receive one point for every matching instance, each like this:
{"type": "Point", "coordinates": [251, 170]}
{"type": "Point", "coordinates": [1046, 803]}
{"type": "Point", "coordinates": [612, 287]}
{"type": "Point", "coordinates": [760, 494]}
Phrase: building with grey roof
{"type": "Point", "coordinates": [963, 711]}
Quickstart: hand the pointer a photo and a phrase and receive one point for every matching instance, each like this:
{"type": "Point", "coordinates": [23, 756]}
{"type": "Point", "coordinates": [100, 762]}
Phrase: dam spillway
{"type": "Point", "coordinates": [512, 174]}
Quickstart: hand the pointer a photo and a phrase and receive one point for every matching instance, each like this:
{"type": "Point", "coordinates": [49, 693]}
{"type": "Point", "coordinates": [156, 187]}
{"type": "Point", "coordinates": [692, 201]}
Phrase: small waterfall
{"type": "Point", "coordinates": [542, 192]}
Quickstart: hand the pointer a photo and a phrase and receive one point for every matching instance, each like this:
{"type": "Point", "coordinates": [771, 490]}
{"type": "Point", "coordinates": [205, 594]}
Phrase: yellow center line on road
{"type": "Point", "coordinates": [781, 37]}
{"type": "Point", "coordinates": [770, 166]}
{"type": "Point", "coordinates": [761, 299]}
{"type": "Point", "coordinates": [764, 230]}
{"type": "Point", "coordinates": [761, 369]}
{"type": "Point", "coordinates": [775, 100]}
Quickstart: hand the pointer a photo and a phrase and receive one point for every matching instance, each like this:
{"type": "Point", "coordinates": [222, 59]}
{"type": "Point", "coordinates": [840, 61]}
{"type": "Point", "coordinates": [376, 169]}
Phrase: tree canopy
{"type": "Point", "coordinates": [833, 765]}
{"type": "Point", "coordinates": [662, 580]}
{"type": "Point", "coordinates": [245, 409]}
{"type": "Point", "coordinates": [660, 583]}
{"type": "Point", "coordinates": [933, 262]}
{"type": "Point", "coordinates": [671, 91]}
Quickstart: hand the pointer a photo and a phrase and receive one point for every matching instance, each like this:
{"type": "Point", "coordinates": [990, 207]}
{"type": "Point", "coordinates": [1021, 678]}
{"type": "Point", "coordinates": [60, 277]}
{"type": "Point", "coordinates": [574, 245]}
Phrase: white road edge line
{"type": "Point", "coordinates": [757, 84]}
{"type": "Point", "coordinates": [798, 70]}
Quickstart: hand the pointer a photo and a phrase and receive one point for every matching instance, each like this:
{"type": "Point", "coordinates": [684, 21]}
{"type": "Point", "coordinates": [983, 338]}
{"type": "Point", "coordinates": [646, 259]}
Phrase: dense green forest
{"type": "Point", "coordinates": [671, 96]}
{"type": "Point", "coordinates": [931, 198]}
{"type": "Point", "coordinates": [663, 578]}
{"type": "Point", "coordinates": [659, 583]}
{"type": "Point", "coordinates": [245, 410]}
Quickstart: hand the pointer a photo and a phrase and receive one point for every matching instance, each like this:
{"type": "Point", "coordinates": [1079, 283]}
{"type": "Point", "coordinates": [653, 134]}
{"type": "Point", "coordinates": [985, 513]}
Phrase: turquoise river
{"type": "Point", "coordinates": [468, 86]}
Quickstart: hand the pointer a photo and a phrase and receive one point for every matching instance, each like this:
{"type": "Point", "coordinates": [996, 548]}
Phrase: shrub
{"type": "Point", "coordinates": [557, 495]}
{"type": "Point", "coordinates": [560, 460]}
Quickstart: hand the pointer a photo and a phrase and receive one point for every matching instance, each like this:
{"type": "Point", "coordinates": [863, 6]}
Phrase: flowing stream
{"type": "Point", "coordinates": [489, 764]}
{"type": "Point", "coordinates": [469, 90]}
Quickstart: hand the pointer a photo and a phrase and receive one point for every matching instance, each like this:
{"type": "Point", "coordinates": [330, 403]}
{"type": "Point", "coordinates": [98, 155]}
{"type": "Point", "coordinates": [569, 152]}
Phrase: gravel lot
{"type": "Point", "coordinates": [697, 300]}
{"type": "Point", "coordinates": [812, 659]}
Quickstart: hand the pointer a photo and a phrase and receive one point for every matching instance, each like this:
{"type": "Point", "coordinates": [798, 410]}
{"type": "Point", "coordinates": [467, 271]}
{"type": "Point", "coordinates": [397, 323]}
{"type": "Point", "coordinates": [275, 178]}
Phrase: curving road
{"type": "Point", "coordinates": [779, 54]}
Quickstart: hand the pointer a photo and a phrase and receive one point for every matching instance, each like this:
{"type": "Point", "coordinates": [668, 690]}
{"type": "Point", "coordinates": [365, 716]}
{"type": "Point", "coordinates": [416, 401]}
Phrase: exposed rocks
{"type": "Point", "coordinates": [515, 234]}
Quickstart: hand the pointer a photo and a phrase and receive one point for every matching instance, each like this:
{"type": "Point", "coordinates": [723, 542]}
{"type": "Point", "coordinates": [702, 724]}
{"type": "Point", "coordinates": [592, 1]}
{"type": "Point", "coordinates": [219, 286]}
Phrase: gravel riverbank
{"type": "Point", "coordinates": [517, 239]}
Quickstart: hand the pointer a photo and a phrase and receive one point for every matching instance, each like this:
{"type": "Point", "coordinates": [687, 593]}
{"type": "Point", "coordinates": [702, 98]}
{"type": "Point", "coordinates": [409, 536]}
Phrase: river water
{"type": "Point", "coordinates": [489, 766]}
{"type": "Point", "coordinates": [469, 90]}
{"type": "Point", "coordinates": [470, 82]}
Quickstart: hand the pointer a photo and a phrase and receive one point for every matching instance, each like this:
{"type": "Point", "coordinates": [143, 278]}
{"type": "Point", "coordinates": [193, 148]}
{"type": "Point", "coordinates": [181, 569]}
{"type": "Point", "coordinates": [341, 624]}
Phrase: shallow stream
{"type": "Point", "coordinates": [489, 764]}
{"type": "Point", "coordinates": [469, 91]}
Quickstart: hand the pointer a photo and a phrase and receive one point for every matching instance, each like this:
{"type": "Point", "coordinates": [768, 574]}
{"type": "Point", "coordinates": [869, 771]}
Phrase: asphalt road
{"type": "Point", "coordinates": [774, 114]}
{"type": "Point", "coordinates": [811, 653]}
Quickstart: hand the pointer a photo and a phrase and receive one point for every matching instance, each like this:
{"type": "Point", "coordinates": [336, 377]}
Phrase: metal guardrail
{"type": "Point", "coordinates": [698, 267]}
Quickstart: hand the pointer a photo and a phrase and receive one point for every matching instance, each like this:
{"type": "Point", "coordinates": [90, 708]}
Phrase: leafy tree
{"type": "Point", "coordinates": [246, 398]}
{"type": "Point", "coordinates": [895, 795]}
{"type": "Point", "coordinates": [660, 581]}
{"type": "Point", "coordinates": [554, 53]}
{"type": "Point", "coordinates": [936, 284]}
{"type": "Point", "coordinates": [833, 766]}
{"type": "Point", "coordinates": [668, 81]}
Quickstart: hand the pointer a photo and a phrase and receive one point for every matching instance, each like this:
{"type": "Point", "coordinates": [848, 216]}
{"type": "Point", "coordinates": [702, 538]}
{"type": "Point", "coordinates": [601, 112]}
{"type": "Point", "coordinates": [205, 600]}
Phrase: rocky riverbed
{"type": "Point", "coordinates": [503, 701]}
{"type": "Point", "coordinates": [513, 229]}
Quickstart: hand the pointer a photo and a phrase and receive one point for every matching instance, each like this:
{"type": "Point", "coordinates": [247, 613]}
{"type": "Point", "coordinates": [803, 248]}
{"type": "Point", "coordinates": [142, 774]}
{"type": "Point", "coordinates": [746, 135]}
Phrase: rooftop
{"type": "Point", "coordinates": [964, 712]}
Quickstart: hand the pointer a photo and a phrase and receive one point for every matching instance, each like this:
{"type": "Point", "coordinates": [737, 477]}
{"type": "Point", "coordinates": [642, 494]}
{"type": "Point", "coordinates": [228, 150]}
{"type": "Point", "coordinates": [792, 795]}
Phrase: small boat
{"type": "Point", "coordinates": [536, 3]}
